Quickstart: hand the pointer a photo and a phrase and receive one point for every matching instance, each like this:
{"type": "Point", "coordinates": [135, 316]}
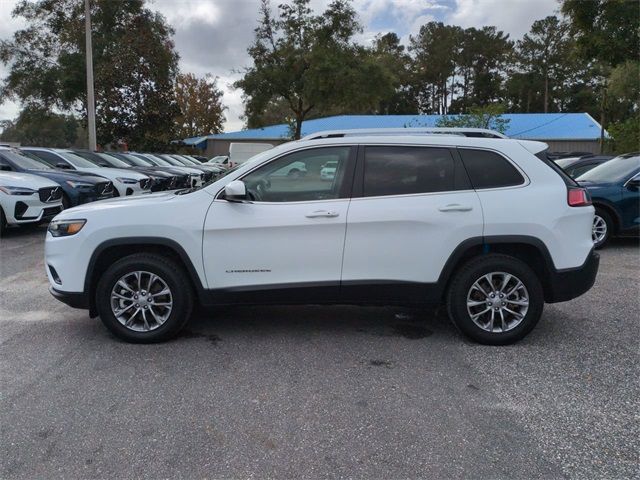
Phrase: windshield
{"type": "Point", "coordinates": [618, 169]}
{"type": "Point", "coordinates": [565, 162]}
{"type": "Point", "coordinates": [132, 159]}
{"type": "Point", "coordinates": [113, 161]}
{"type": "Point", "coordinates": [155, 159]}
{"type": "Point", "coordinates": [76, 160]}
{"type": "Point", "coordinates": [170, 160]}
{"type": "Point", "coordinates": [25, 161]}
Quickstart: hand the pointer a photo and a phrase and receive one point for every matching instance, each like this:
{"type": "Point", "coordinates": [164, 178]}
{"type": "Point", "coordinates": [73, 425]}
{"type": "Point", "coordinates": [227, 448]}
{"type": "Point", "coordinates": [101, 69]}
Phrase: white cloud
{"type": "Point", "coordinates": [511, 16]}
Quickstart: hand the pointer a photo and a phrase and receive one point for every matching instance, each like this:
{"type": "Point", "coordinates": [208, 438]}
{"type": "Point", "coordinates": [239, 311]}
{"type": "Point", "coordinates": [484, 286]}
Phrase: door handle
{"type": "Point", "coordinates": [322, 213]}
{"type": "Point", "coordinates": [455, 207]}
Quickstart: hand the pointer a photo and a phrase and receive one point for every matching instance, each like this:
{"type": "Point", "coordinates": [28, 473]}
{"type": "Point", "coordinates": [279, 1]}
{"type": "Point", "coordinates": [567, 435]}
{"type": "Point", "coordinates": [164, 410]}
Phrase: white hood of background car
{"type": "Point", "coordinates": [26, 180]}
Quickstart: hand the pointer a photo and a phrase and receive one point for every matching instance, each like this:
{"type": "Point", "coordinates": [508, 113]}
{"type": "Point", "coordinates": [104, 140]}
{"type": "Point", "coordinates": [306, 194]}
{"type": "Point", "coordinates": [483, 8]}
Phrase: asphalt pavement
{"type": "Point", "coordinates": [318, 392]}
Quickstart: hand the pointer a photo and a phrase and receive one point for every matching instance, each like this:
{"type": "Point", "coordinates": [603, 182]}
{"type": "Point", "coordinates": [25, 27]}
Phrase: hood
{"type": "Point", "coordinates": [61, 176]}
{"type": "Point", "coordinates": [113, 173]}
{"type": "Point", "coordinates": [151, 200]}
{"type": "Point", "coordinates": [26, 180]}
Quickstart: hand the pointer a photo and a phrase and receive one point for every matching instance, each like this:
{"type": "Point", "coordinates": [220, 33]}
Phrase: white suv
{"type": "Point", "coordinates": [481, 224]}
{"type": "Point", "coordinates": [27, 199]}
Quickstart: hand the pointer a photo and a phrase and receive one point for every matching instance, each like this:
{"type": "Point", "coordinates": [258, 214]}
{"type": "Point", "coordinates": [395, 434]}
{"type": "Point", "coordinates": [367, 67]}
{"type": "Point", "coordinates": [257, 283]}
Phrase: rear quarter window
{"type": "Point", "coordinates": [489, 170]}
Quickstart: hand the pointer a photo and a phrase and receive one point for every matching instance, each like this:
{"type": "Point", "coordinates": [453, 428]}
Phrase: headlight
{"type": "Point", "coordinates": [129, 181]}
{"type": "Point", "coordinates": [17, 190]}
{"type": "Point", "coordinates": [65, 228]}
{"type": "Point", "coordinates": [74, 184]}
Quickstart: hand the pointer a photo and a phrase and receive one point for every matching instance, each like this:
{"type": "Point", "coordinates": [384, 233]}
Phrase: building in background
{"type": "Point", "coordinates": [563, 132]}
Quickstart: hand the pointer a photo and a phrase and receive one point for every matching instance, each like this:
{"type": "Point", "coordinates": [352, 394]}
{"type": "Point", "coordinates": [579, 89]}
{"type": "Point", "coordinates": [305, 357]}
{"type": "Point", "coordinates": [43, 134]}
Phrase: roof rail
{"type": "Point", "coordinates": [464, 132]}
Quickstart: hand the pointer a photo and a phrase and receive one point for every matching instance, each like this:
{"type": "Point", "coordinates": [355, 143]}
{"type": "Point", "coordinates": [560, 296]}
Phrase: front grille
{"type": "Point", "coordinates": [50, 194]}
{"type": "Point", "coordinates": [145, 183]}
{"type": "Point", "coordinates": [104, 188]}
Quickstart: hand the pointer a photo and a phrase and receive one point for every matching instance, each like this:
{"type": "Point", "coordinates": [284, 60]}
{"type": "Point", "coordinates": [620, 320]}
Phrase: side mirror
{"type": "Point", "coordinates": [63, 166]}
{"type": "Point", "coordinates": [235, 191]}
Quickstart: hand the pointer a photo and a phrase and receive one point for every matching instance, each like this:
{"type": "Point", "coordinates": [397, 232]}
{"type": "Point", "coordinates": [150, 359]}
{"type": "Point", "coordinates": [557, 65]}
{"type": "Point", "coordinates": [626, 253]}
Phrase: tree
{"type": "Point", "coordinates": [607, 35]}
{"type": "Point", "coordinates": [390, 54]}
{"type": "Point", "coordinates": [134, 66]}
{"type": "Point", "coordinates": [435, 52]}
{"type": "Point", "coordinates": [200, 105]}
{"type": "Point", "coordinates": [311, 63]}
{"type": "Point", "coordinates": [38, 126]}
{"type": "Point", "coordinates": [488, 116]}
{"type": "Point", "coordinates": [542, 57]}
{"type": "Point", "coordinates": [605, 30]}
{"type": "Point", "coordinates": [483, 56]}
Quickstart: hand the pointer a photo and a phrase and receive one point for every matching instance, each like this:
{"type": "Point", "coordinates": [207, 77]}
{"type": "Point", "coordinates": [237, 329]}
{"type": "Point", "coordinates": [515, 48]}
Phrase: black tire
{"type": "Point", "coordinates": [460, 288]}
{"type": "Point", "coordinates": [170, 272]}
{"type": "Point", "coordinates": [604, 215]}
{"type": "Point", "coordinates": [3, 222]}
{"type": "Point", "coordinates": [294, 173]}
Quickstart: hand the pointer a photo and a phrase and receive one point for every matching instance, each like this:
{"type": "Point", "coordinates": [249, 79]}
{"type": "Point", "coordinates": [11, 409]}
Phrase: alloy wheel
{"type": "Point", "coordinates": [141, 301]}
{"type": "Point", "coordinates": [599, 229]}
{"type": "Point", "coordinates": [497, 302]}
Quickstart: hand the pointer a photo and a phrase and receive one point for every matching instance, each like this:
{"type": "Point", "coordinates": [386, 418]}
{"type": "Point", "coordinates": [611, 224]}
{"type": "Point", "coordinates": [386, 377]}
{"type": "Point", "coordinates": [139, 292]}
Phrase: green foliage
{"type": "Point", "coordinates": [39, 126]}
{"type": "Point", "coordinates": [625, 135]}
{"type": "Point", "coordinates": [200, 105]}
{"type": "Point", "coordinates": [311, 63]}
{"type": "Point", "coordinates": [606, 31]}
{"type": "Point", "coordinates": [134, 66]}
{"type": "Point", "coordinates": [487, 116]}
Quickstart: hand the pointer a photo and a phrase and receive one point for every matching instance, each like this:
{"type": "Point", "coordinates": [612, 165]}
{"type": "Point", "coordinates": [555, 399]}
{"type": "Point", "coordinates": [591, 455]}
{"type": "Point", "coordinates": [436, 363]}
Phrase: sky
{"type": "Point", "coordinates": [212, 36]}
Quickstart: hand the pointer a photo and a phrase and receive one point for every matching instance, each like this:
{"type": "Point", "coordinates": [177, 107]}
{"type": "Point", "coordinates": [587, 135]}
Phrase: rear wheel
{"type": "Point", "coordinates": [495, 299]}
{"type": "Point", "coordinates": [602, 228]}
{"type": "Point", "coordinates": [144, 298]}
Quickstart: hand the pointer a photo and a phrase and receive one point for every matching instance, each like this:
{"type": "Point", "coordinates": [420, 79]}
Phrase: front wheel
{"type": "Point", "coordinates": [144, 298]}
{"type": "Point", "coordinates": [495, 299]}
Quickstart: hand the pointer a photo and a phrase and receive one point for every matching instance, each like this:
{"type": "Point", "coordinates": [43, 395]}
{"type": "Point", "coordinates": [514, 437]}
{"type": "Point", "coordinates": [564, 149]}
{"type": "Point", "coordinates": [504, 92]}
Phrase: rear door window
{"type": "Point", "coordinates": [489, 170]}
{"type": "Point", "coordinates": [400, 170]}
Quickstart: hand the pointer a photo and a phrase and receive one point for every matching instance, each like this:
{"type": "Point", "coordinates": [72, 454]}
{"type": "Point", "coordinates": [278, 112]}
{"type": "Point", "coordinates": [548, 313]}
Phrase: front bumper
{"type": "Point", "coordinates": [73, 299]}
{"type": "Point", "coordinates": [572, 282]}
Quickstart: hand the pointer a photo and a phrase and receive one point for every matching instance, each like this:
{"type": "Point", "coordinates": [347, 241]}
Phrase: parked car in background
{"type": "Point", "coordinates": [408, 224]}
{"type": "Point", "coordinates": [210, 170]}
{"type": "Point", "coordinates": [614, 187]}
{"type": "Point", "coordinates": [161, 180]}
{"type": "Point", "coordinates": [200, 158]}
{"type": "Point", "coordinates": [125, 182]}
{"type": "Point", "coordinates": [27, 199]}
{"type": "Point", "coordinates": [217, 169]}
{"type": "Point", "coordinates": [241, 152]}
{"type": "Point", "coordinates": [196, 175]}
{"type": "Point", "coordinates": [219, 160]}
{"type": "Point", "coordinates": [328, 170]}
{"type": "Point", "coordinates": [77, 187]}
{"type": "Point", "coordinates": [183, 180]}
{"type": "Point", "coordinates": [576, 166]}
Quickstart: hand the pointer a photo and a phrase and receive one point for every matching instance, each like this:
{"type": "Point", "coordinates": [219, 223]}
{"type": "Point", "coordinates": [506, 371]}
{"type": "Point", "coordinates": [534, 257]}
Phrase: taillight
{"type": "Point", "coordinates": [578, 197]}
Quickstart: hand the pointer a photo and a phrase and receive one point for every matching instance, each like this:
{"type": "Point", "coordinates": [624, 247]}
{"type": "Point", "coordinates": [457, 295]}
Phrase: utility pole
{"type": "Point", "coordinates": [91, 102]}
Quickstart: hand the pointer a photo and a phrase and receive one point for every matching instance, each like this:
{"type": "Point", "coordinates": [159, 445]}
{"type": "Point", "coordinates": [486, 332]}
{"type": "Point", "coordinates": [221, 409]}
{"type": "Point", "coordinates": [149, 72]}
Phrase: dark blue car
{"type": "Point", "coordinates": [614, 187]}
{"type": "Point", "coordinates": [77, 187]}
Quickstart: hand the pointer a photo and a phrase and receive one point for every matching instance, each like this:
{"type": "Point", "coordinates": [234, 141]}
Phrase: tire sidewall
{"type": "Point", "coordinates": [457, 299]}
{"type": "Point", "coordinates": [170, 273]}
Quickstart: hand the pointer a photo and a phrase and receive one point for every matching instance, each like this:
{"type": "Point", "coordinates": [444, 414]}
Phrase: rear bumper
{"type": "Point", "coordinates": [73, 299]}
{"type": "Point", "coordinates": [571, 283]}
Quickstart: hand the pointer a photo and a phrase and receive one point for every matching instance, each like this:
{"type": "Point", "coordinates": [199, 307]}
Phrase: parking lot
{"type": "Point", "coordinates": [302, 392]}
